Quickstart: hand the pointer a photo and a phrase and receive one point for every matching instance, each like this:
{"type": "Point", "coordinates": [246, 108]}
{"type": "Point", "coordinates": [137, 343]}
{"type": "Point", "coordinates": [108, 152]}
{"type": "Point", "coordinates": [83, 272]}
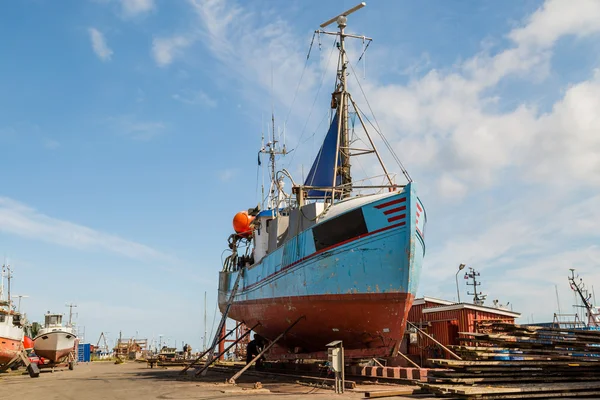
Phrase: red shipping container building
{"type": "Point", "coordinates": [443, 320]}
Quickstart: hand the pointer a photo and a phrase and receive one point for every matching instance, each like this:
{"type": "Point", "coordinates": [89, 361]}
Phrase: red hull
{"type": "Point", "coordinates": [53, 355]}
{"type": "Point", "coordinates": [8, 349]}
{"type": "Point", "coordinates": [374, 321]}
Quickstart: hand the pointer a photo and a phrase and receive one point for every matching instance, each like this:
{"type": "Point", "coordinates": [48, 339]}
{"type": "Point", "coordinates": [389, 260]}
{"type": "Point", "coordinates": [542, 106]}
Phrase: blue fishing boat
{"type": "Point", "coordinates": [345, 260]}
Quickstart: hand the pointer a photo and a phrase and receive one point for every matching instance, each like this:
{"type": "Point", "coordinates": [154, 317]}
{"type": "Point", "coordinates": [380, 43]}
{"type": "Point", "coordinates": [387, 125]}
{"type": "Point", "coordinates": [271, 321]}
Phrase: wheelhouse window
{"type": "Point", "coordinates": [339, 229]}
{"type": "Point", "coordinates": [53, 319]}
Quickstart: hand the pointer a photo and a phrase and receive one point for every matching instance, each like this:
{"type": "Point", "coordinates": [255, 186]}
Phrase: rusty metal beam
{"type": "Point", "coordinates": [267, 348]}
{"type": "Point", "coordinates": [208, 350]}
{"type": "Point", "coordinates": [225, 351]}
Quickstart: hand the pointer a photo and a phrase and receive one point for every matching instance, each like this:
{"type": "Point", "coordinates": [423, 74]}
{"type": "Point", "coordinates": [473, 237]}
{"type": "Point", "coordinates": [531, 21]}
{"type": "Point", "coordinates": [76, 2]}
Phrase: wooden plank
{"type": "Point", "coordinates": [391, 393]}
{"type": "Point", "coordinates": [518, 388]}
{"type": "Point", "coordinates": [512, 363]}
{"type": "Point", "coordinates": [586, 394]}
{"type": "Point", "coordinates": [509, 379]}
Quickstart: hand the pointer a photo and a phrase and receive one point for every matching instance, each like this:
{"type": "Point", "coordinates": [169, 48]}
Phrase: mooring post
{"type": "Point", "coordinates": [237, 375]}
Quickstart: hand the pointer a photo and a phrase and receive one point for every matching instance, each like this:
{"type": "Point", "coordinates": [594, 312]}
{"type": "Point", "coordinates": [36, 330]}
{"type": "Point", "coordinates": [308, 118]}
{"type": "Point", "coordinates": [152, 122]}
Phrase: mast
{"type": "Point", "coordinates": [2, 282]}
{"type": "Point", "coordinates": [343, 112]}
{"type": "Point", "coordinates": [6, 272]}
{"type": "Point", "coordinates": [340, 101]}
{"type": "Point", "coordinates": [9, 279]}
{"type": "Point", "coordinates": [334, 182]}
{"type": "Point", "coordinates": [71, 313]}
{"type": "Point", "coordinates": [273, 150]}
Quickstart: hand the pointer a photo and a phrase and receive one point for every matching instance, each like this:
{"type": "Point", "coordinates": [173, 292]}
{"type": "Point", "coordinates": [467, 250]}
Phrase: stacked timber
{"type": "Point", "coordinates": [511, 361]}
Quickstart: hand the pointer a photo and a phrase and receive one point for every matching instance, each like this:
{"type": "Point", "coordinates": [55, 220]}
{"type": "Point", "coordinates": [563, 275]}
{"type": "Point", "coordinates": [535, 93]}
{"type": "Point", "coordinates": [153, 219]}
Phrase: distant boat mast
{"type": "Point", "coordinates": [585, 296]}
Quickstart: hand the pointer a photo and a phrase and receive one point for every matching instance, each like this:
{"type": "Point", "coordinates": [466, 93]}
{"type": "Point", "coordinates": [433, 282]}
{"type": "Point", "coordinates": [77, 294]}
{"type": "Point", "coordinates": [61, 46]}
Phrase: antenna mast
{"type": "Point", "coordinates": [8, 276]}
{"type": "Point", "coordinates": [585, 296]}
{"type": "Point", "coordinates": [71, 313]}
{"type": "Point", "coordinates": [340, 100]}
{"type": "Point", "coordinates": [273, 150]}
{"type": "Point", "coordinates": [478, 297]}
{"type": "Point", "coordinates": [2, 282]}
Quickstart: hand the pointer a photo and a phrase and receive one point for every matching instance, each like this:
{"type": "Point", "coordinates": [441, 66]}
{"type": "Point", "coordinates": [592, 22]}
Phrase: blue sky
{"type": "Point", "coordinates": [129, 131]}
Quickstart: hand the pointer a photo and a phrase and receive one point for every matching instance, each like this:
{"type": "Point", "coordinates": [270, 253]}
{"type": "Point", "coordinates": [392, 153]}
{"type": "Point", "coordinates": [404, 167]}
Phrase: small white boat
{"type": "Point", "coordinates": [54, 341]}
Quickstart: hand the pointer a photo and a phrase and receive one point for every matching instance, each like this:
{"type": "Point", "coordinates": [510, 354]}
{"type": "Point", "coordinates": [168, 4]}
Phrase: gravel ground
{"type": "Point", "coordinates": [130, 381]}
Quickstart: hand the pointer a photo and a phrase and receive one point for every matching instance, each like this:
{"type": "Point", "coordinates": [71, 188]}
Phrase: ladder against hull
{"type": "Point", "coordinates": [217, 336]}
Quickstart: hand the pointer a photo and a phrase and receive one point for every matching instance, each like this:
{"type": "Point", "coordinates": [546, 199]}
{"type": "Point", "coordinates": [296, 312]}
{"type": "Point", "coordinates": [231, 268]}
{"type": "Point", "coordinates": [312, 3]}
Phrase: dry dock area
{"type": "Point", "coordinates": [104, 380]}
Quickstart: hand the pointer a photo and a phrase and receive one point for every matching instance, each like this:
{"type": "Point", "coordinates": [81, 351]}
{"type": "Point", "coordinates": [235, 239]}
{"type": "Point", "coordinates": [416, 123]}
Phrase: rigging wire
{"type": "Point", "coordinates": [315, 100]}
{"type": "Point", "coordinates": [378, 128]}
{"type": "Point", "coordinates": [364, 51]}
{"type": "Point", "coordinates": [301, 77]}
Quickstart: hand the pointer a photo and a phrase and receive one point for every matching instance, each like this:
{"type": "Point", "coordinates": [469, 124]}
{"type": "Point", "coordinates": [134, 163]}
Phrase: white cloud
{"type": "Point", "coordinates": [19, 219]}
{"type": "Point", "coordinates": [195, 98]}
{"type": "Point", "coordinates": [557, 18]}
{"type": "Point", "coordinates": [135, 129]}
{"type": "Point", "coordinates": [99, 44]}
{"type": "Point", "coordinates": [451, 117]}
{"type": "Point", "coordinates": [51, 144]}
{"type": "Point", "coordinates": [137, 7]}
{"type": "Point", "coordinates": [264, 58]}
{"type": "Point", "coordinates": [164, 50]}
{"type": "Point", "coordinates": [451, 188]}
{"type": "Point", "coordinates": [227, 175]}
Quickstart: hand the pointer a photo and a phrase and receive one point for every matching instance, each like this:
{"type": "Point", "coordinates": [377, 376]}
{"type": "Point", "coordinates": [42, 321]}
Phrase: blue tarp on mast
{"type": "Point", "coordinates": [321, 172]}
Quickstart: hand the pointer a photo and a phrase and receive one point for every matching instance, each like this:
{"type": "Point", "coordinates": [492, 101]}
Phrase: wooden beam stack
{"type": "Point", "coordinates": [511, 361]}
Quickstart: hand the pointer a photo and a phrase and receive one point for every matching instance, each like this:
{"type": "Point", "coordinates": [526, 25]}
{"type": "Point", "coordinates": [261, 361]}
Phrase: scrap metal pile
{"type": "Point", "coordinates": [511, 361]}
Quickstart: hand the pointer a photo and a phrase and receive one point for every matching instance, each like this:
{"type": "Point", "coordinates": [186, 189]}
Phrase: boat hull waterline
{"type": "Point", "coordinates": [358, 290]}
{"type": "Point", "coordinates": [54, 346]}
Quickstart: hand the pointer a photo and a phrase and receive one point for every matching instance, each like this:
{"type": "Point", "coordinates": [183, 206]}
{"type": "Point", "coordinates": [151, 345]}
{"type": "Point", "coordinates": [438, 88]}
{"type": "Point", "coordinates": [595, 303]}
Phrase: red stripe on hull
{"type": "Point", "coordinates": [362, 321]}
{"type": "Point", "coordinates": [390, 203]}
{"type": "Point", "coordinates": [8, 349]}
{"type": "Point", "coordinates": [393, 210]}
{"type": "Point", "coordinates": [396, 218]}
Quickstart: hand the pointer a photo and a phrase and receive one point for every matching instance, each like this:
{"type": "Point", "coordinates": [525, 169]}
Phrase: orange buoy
{"type": "Point", "coordinates": [27, 343]}
{"type": "Point", "coordinates": [242, 222]}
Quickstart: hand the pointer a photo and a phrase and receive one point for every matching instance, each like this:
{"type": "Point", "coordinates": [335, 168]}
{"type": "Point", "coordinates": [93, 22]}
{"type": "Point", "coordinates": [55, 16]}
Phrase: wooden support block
{"type": "Point", "coordinates": [393, 372]}
{"type": "Point", "coordinates": [419, 375]}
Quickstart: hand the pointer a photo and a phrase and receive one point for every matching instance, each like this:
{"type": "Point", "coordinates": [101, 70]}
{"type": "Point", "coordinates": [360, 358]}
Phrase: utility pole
{"type": "Point", "coordinates": [586, 297]}
{"type": "Point", "coordinates": [478, 297]}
